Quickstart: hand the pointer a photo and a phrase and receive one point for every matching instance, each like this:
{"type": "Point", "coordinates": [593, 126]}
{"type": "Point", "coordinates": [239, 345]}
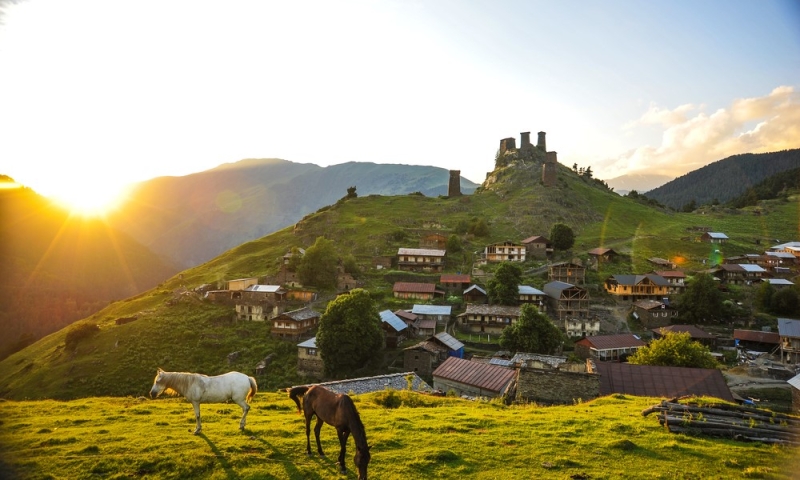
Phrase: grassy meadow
{"type": "Point", "coordinates": [412, 436]}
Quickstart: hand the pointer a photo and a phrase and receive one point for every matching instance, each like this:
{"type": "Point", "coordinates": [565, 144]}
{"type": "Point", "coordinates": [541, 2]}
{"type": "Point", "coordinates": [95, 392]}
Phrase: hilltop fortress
{"type": "Point", "coordinates": [527, 152]}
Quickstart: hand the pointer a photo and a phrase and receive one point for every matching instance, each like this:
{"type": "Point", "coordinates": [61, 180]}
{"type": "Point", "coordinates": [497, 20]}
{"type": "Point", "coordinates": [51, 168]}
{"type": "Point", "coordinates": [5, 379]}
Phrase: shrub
{"type": "Point", "coordinates": [79, 333]}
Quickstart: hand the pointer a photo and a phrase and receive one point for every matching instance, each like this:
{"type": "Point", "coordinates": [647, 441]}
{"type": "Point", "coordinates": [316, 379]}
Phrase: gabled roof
{"type": "Point", "coordinates": [757, 336]}
{"type": "Point", "coordinates": [555, 288]}
{"type": "Point", "coordinates": [504, 243]}
{"type": "Point", "coordinates": [299, 315]}
{"type": "Point", "coordinates": [788, 327]}
{"type": "Point", "coordinates": [476, 288]}
{"type": "Point", "coordinates": [535, 239]}
{"type": "Point", "coordinates": [718, 235]}
{"type": "Point", "coordinates": [310, 343]}
{"type": "Point", "coordinates": [668, 382]}
{"type": "Point", "coordinates": [551, 360]}
{"type": "Point", "coordinates": [637, 279]}
{"type": "Point", "coordinates": [650, 304]}
{"type": "Point", "coordinates": [692, 330]}
{"type": "Point", "coordinates": [528, 290]}
{"type": "Point", "coordinates": [449, 341]}
{"type": "Point", "coordinates": [670, 273]}
{"type": "Point", "coordinates": [431, 309]}
{"type": "Point", "coordinates": [786, 255]}
{"type": "Point", "coordinates": [750, 268]}
{"type": "Point", "coordinates": [602, 251]}
{"type": "Point", "coordinates": [405, 315]}
{"type": "Point", "coordinates": [607, 342]}
{"type": "Point", "coordinates": [414, 287]}
{"type": "Point", "coordinates": [454, 278]}
{"type": "Point", "coordinates": [264, 288]}
{"type": "Point", "coordinates": [481, 375]}
{"type": "Point", "coordinates": [785, 245]}
{"type": "Point", "coordinates": [504, 310]}
{"type": "Point", "coordinates": [778, 281]}
{"type": "Point", "coordinates": [388, 317]}
{"type": "Point", "coordinates": [425, 252]}
{"type": "Point", "coordinates": [795, 381]}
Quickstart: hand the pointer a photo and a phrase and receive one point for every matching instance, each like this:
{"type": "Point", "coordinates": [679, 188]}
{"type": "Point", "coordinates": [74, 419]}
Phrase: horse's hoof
{"type": "Point", "coordinates": [309, 454]}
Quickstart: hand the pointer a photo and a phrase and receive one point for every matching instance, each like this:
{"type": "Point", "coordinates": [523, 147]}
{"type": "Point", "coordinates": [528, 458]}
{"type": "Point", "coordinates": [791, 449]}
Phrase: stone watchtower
{"type": "Point", "coordinates": [540, 144]}
{"type": "Point", "coordinates": [550, 167]}
{"type": "Point", "coordinates": [454, 187]}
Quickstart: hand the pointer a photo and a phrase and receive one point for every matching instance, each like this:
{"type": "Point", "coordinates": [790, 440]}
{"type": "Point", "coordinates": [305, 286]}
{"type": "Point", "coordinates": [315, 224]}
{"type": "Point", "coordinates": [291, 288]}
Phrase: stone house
{"type": "Point", "coordinates": [567, 301]}
{"type": "Point", "coordinates": [608, 347]}
{"type": "Point", "coordinates": [789, 332]}
{"type": "Point", "coordinates": [654, 313]}
{"type": "Point", "coordinates": [696, 333]}
{"type": "Point", "coordinates": [473, 379]}
{"type": "Point", "coordinates": [638, 287]}
{"type": "Point", "coordinates": [425, 356]}
{"type": "Point", "coordinates": [582, 327]}
{"type": "Point", "coordinates": [537, 246]}
{"type": "Point", "coordinates": [488, 318]}
{"type": "Point", "coordinates": [454, 283]}
{"type": "Point", "coordinates": [475, 294]}
{"type": "Point", "coordinates": [295, 324]}
{"type": "Point", "coordinates": [309, 361]}
{"type": "Point", "coordinates": [241, 283]}
{"type": "Point", "coordinates": [395, 329]}
{"type": "Point", "coordinates": [504, 252]}
{"type": "Point", "coordinates": [420, 259]}
{"type": "Point", "coordinates": [254, 311]}
{"type": "Point", "coordinates": [567, 272]}
{"type": "Point", "coordinates": [566, 383]}
{"type": "Point", "coordinates": [416, 291]}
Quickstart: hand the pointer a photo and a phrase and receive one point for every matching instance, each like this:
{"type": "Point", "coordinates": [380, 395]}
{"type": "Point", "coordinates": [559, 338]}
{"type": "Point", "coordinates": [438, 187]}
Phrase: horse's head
{"type": "Point", "coordinates": [362, 460]}
{"type": "Point", "coordinates": [158, 384]}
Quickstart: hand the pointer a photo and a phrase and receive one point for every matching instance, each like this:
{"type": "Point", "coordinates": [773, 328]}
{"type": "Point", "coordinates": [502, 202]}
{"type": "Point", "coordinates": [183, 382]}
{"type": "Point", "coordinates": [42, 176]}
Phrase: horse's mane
{"type": "Point", "coordinates": [356, 425]}
{"type": "Point", "coordinates": [177, 382]}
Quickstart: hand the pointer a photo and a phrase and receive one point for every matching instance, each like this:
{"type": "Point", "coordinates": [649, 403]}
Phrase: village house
{"type": "Point", "coordinates": [395, 329]}
{"type": "Point", "coordinates": [274, 294]}
{"type": "Point", "coordinates": [553, 384]}
{"type": "Point", "coordinates": [662, 262]}
{"type": "Point", "coordinates": [789, 247]}
{"type": "Point", "coordinates": [410, 320]}
{"type": "Point", "coordinates": [301, 295]}
{"type": "Point", "coordinates": [425, 356]}
{"type": "Point", "coordinates": [757, 340]}
{"type": "Point", "coordinates": [738, 274]}
{"type": "Point", "coordinates": [309, 361]}
{"type": "Point", "coordinates": [582, 327]}
{"type": "Point", "coordinates": [420, 259]}
{"type": "Point", "coordinates": [488, 318]}
{"type": "Point", "coordinates": [295, 324]}
{"type": "Point", "coordinates": [608, 347]}
{"type": "Point", "coordinates": [567, 301]}
{"type": "Point", "coordinates": [416, 291]}
{"type": "Point", "coordinates": [567, 272]}
{"type": "Point", "coordinates": [537, 246]}
{"type": "Point", "coordinates": [241, 283]}
{"type": "Point", "coordinates": [772, 260]}
{"type": "Point", "coordinates": [696, 333]}
{"type": "Point", "coordinates": [504, 252]}
{"type": "Point", "coordinates": [713, 237]}
{"type": "Point", "coordinates": [638, 287]}
{"type": "Point", "coordinates": [254, 311]}
{"type": "Point", "coordinates": [663, 382]}
{"type": "Point", "coordinates": [675, 278]}
{"type": "Point", "coordinates": [528, 294]}
{"type": "Point", "coordinates": [438, 313]}
{"type": "Point", "coordinates": [654, 313]}
{"type": "Point", "coordinates": [435, 241]}
{"type": "Point", "coordinates": [454, 283]}
{"type": "Point", "coordinates": [602, 255]}
{"type": "Point", "coordinates": [789, 331]}
{"type": "Point", "coordinates": [472, 379]}
{"type": "Point", "coordinates": [475, 294]}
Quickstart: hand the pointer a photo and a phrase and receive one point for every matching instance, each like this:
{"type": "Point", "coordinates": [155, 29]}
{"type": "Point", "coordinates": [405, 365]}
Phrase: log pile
{"type": "Point", "coordinates": [728, 421]}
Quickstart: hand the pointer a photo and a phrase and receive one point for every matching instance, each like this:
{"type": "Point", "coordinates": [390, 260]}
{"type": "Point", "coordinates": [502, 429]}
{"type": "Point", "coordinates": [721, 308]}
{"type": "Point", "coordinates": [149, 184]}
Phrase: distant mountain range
{"type": "Point", "coordinates": [194, 218]}
{"type": "Point", "coordinates": [640, 182]}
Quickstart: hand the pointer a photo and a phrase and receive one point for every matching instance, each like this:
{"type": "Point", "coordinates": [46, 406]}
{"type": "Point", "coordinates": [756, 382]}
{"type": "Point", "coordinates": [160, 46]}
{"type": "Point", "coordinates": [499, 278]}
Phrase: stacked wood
{"type": "Point", "coordinates": [728, 421]}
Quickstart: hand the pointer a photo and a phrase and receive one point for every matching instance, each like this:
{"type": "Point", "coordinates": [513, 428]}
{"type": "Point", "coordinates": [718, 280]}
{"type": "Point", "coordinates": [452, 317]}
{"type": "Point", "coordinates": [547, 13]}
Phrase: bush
{"type": "Point", "coordinates": [78, 333]}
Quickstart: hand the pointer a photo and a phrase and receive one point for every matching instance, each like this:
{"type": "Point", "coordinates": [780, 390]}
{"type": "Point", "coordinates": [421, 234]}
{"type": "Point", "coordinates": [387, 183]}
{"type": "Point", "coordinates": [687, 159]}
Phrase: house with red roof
{"type": "Point", "coordinates": [416, 291]}
{"type": "Point", "coordinates": [608, 347]}
{"type": "Point", "coordinates": [757, 340]}
{"type": "Point", "coordinates": [474, 379]}
{"type": "Point", "coordinates": [664, 382]}
{"type": "Point", "coordinates": [454, 283]}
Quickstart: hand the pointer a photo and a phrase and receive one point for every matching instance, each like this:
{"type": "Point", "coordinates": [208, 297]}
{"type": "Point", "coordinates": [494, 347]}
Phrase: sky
{"type": "Point", "coordinates": [97, 94]}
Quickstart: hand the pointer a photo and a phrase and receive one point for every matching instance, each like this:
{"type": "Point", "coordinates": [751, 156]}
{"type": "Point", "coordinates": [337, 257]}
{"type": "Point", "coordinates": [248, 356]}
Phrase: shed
{"type": "Point", "coordinates": [454, 347]}
{"type": "Point", "coordinates": [472, 378]}
{"type": "Point", "coordinates": [394, 328]}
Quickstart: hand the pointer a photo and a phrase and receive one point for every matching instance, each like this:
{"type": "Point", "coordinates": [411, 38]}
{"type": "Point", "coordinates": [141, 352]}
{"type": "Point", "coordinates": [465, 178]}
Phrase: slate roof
{"type": "Point", "coordinates": [608, 342]}
{"type": "Point", "coordinates": [431, 309]}
{"type": "Point", "coordinates": [694, 332]}
{"type": "Point", "coordinates": [425, 252]}
{"type": "Point", "coordinates": [414, 287]}
{"type": "Point", "coordinates": [429, 346]}
{"type": "Point", "coordinates": [394, 381]}
{"type": "Point", "coordinates": [396, 322]}
{"type": "Point", "coordinates": [528, 290]}
{"type": "Point", "coordinates": [300, 314]}
{"type": "Point", "coordinates": [481, 375]}
{"type": "Point", "coordinates": [757, 336]}
{"type": "Point", "coordinates": [669, 382]}
{"type": "Point", "coordinates": [649, 304]}
{"type": "Point", "coordinates": [659, 261]}
{"type": "Point", "coordinates": [509, 310]}
{"type": "Point", "coordinates": [454, 278]}
{"type": "Point", "coordinates": [451, 342]}
{"type": "Point", "coordinates": [551, 360]}
{"type": "Point", "coordinates": [788, 327]}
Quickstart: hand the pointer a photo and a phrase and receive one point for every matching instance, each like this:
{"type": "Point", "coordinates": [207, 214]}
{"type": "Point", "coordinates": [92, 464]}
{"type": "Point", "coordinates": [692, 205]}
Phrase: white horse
{"type": "Point", "coordinates": [199, 388]}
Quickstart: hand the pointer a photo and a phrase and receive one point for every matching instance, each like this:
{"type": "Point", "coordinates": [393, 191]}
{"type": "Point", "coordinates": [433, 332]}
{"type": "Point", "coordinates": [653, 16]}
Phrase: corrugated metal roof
{"type": "Point", "coordinates": [748, 267]}
{"type": "Point", "coordinates": [414, 287]}
{"type": "Point", "coordinates": [779, 281]}
{"type": "Point", "coordinates": [310, 343]}
{"type": "Point", "coordinates": [606, 342]}
{"type": "Point", "coordinates": [501, 362]}
{"type": "Point", "coordinates": [431, 309]}
{"type": "Point", "coordinates": [719, 235]}
{"type": "Point", "coordinates": [396, 322]}
{"type": "Point", "coordinates": [263, 288]}
{"type": "Point", "coordinates": [427, 252]}
{"type": "Point", "coordinates": [692, 330]}
{"type": "Point", "coordinates": [555, 288]}
{"type": "Point", "coordinates": [481, 375]}
{"type": "Point", "coordinates": [528, 290]}
{"type": "Point", "coordinates": [795, 382]}
{"type": "Point", "coordinates": [475, 287]}
{"type": "Point", "coordinates": [454, 278]}
{"type": "Point", "coordinates": [451, 342]}
{"type": "Point", "coordinates": [788, 327]}
{"type": "Point", "coordinates": [668, 382]}
{"type": "Point", "coordinates": [757, 336]}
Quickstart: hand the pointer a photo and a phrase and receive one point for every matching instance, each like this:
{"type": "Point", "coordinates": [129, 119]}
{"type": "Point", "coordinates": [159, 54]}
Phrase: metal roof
{"type": "Point", "coordinates": [528, 290]}
{"type": "Point", "coordinates": [451, 342]}
{"type": "Point", "coordinates": [757, 336]}
{"type": "Point", "coordinates": [414, 287]}
{"type": "Point", "coordinates": [501, 362]}
{"type": "Point", "coordinates": [788, 327]}
{"type": "Point", "coordinates": [668, 382]}
{"type": "Point", "coordinates": [787, 255]}
{"type": "Point", "coordinates": [396, 322]}
{"type": "Point", "coordinates": [752, 268]}
{"type": "Point", "coordinates": [310, 343]}
{"type": "Point", "coordinates": [429, 252]}
{"type": "Point", "coordinates": [716, 235]}
{"type": "Point", "coordinates": [431, 309]}
{"type": "Point", "coordinates": [475, 287]}
{"type": "Point", "coordinates": [300, 314]}
{"type": "Point", "coordinates": [481, 375]}
{"type": "Point", "coordinates": [264, 288]}
{"type": "Point", "coordinates": [795, 382]}
{"type": "Point", "coordinates": [454, 278]}
{"type": "Point", "coordinates": [778, 281]}
{"type": "Point", "coordinates": [608, 342]}
{"type": "Point", "coordinates": [554, 289]}
{"type": "Point", "coordinates": [693, 331]}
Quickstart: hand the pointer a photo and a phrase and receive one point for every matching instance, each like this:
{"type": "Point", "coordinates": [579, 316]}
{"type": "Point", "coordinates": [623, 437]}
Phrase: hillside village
{"type": "Point", "coordinates": [446, 332]}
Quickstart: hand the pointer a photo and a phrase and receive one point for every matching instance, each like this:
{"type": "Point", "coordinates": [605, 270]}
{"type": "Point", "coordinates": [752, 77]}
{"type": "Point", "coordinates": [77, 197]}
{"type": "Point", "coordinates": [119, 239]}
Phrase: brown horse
{"type": "Point", "coordinates": [338, 411]}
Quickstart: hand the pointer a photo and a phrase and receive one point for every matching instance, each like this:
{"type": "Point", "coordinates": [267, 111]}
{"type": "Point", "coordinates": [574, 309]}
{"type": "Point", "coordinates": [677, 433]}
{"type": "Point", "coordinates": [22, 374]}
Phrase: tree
{"type": "Point", "coordinates": [454, 244]}
{"type": "Point", "coordinates": [764, 294]}
{"type": "Point", "coordinates": [479, 228]}
{"type": "Point", "coordinates": [701, 301]}
{"type": "Point", "coordinates": [349, 335]}
{"type": "Point", "coordinates": [503, 287]}
{"type": "Point", "coordinates": [532, 333]}
{"type": "Point", "coordinates": [562, 236]}
{"type": "Point", "coordinates": [318, 266]}
{"type": "Point", "coordinates": [785, 301]}
{"type": "Point", "coordinates": [295, 257]}
{"type": "Point", "coordinates": [690, 206]}
{"type": "Point", "coordinates": [588, 172]}
{"type": "Point", "coordinates": [674, 349]}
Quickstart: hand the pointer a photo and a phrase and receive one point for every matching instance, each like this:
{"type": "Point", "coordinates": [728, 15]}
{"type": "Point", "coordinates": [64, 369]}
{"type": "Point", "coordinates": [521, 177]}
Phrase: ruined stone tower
{"type": "Point", "coordinates": [540, 144]}
{"type": "Point", "coordinates": [508, 144]}
{"type": "Point", "coordinates": [550, 167]}
{"type": "Point", "coordinates": [454, 187]}
{"type": "Point", "coordinates": [525, 140]}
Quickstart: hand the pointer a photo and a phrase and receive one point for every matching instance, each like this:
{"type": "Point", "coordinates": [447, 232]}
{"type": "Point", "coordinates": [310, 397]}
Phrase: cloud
{"type": "Point", "coordinates": [693, 138]}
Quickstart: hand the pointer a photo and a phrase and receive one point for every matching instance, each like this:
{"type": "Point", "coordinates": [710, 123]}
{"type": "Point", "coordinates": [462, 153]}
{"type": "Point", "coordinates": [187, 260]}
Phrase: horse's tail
{"type": "Point", "coordinates": [295, 393]}
{"type": "Point", "coordinates": [253, 389]}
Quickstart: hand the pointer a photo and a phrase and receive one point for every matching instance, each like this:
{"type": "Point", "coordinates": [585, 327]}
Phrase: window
{"type": "Point", "coordinates": [312, 352]}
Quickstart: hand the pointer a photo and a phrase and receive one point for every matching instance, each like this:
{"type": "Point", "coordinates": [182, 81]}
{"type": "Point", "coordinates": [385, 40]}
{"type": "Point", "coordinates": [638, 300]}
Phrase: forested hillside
{"type": "Point", "coordinates": [725, 179]}
{"type": "Point", "coordinates": [773, 187]}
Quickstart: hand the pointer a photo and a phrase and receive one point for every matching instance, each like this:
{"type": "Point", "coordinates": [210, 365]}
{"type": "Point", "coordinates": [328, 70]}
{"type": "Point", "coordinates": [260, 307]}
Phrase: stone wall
{"type": "Point", "coordinates": [796, 400]}
{"type": "Point", "coordinates": [550, 386]}
{"type": "Point", "coordinates": [310, 367]}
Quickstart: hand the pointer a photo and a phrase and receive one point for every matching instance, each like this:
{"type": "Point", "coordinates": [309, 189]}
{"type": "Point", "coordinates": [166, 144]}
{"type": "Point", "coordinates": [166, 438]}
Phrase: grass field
{"type": "Point", "coordinates": [425, 437]}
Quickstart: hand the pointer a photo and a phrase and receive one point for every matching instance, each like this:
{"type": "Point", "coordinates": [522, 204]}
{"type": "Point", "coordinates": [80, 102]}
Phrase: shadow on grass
{"type": "Point", "coordinates": [229, 472]}
{"type": "Point", "coordinates": [278, 456]}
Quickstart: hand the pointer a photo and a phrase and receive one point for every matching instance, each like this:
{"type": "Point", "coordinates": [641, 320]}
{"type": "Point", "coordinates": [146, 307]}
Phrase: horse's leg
{"type": "Point", "coordinates": [245, 409]}
{"type": "Point", "coordinates": [308, 434]}
{"type": "Point", "coordinates": [343, 434]}
{"type": "Point", "coordinates": [317, 428]}
{"type": "Point", "coordinates": [199, 426]}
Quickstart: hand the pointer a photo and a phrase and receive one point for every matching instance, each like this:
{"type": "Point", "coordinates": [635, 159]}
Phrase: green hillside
{"type": "Point", "coordinates": [179, 330]}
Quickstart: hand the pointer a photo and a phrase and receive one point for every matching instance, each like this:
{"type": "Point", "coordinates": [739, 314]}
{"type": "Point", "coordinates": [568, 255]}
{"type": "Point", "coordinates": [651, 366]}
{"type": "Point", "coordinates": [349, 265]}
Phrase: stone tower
{"type": "Point", "coordinates": [525, 140]}
{"type": "Point", "coordinates": [507, 144]}
{"type": "Point", "coordinates": [550, 167]}
{"type": "Point", "coordinates": [540, 144]}
{"type": "Point", "coordinates": [454, 187]}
